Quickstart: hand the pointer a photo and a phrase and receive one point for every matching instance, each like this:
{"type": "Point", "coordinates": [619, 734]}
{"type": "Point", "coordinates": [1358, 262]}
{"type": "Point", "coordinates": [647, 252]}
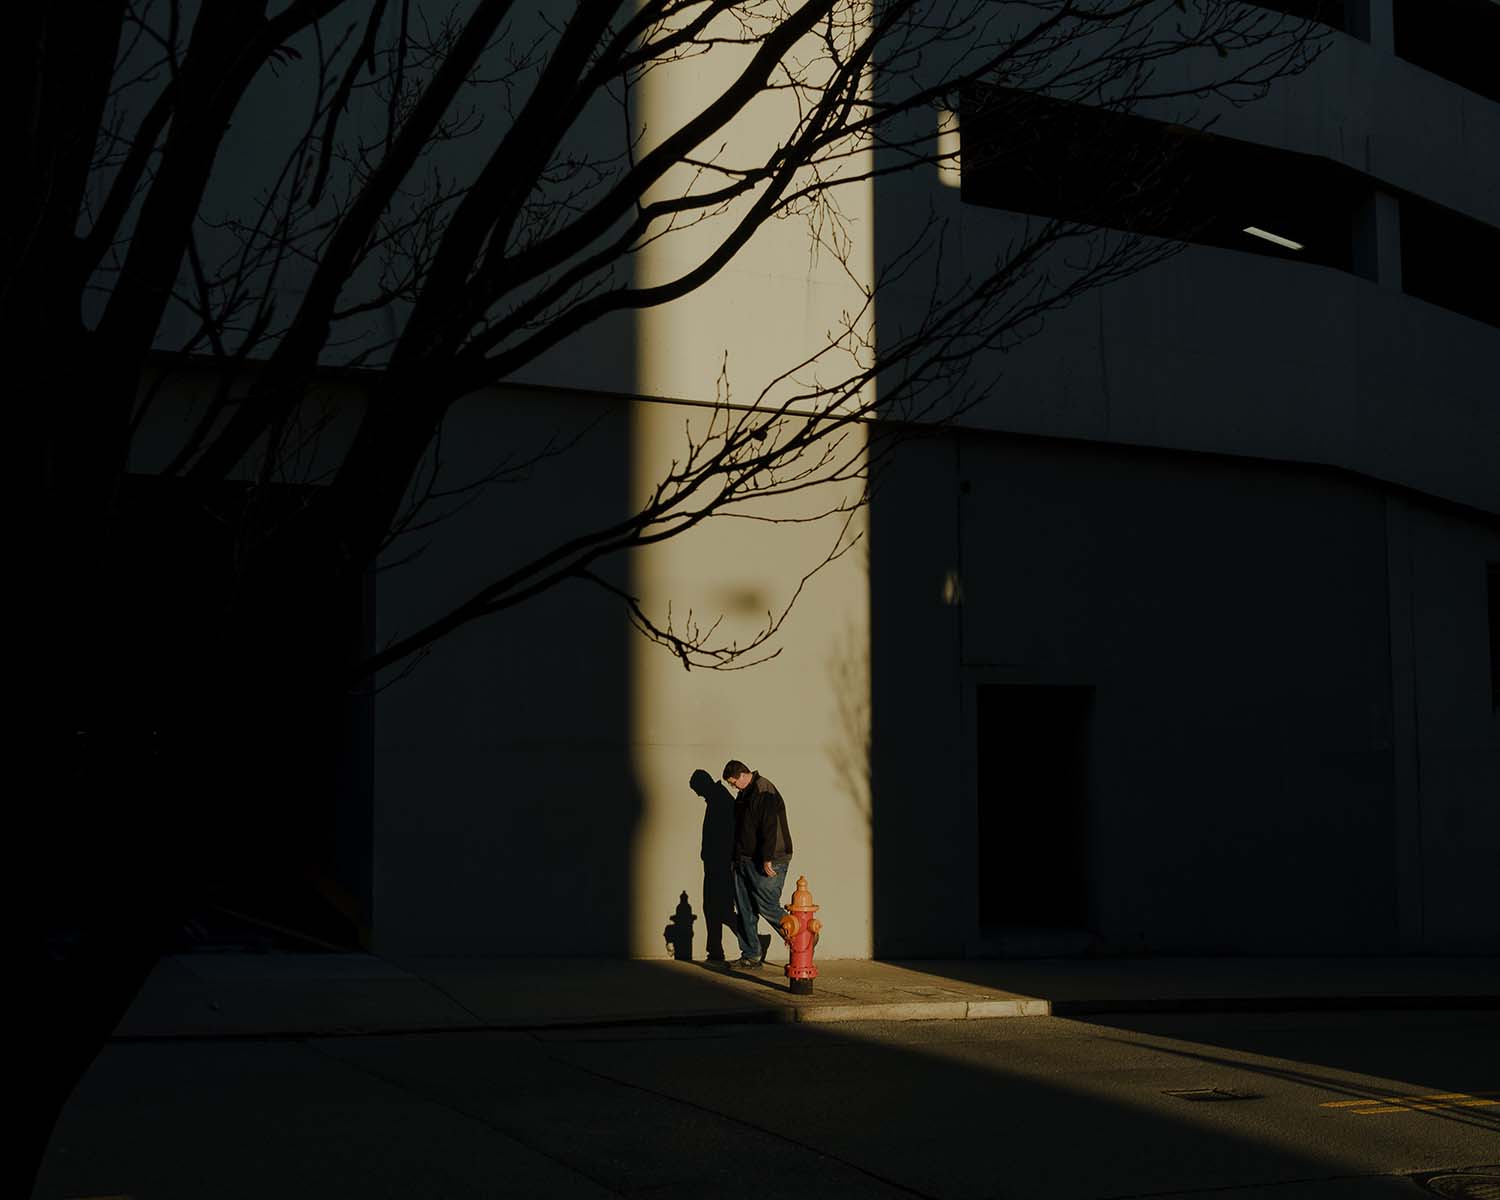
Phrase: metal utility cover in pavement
{"type": "Point", "coordinates": [1483, 1184]}
{"type": "Point", "coordinates": [1207, 1094]}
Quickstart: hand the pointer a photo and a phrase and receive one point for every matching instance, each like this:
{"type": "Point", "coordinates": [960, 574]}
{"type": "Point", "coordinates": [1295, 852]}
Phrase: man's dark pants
{"type": "Point", "coordinates": [757, 894]}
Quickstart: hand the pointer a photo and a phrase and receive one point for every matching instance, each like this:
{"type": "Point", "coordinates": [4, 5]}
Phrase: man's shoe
{"type": "Point", "coordinates": [746, 964]}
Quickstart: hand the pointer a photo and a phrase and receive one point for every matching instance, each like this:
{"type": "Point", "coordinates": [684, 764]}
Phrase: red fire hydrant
{"type": "Point", "coordinates": [800, 929]}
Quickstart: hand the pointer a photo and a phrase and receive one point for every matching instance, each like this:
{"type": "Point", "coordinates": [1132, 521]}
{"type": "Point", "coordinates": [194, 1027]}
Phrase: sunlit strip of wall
{"type": "Point", "coordinates": [803, 718]}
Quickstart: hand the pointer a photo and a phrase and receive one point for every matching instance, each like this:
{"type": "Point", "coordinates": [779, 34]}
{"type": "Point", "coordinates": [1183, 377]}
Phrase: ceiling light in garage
{"type": "Point", "coordinates": [1272, 237]}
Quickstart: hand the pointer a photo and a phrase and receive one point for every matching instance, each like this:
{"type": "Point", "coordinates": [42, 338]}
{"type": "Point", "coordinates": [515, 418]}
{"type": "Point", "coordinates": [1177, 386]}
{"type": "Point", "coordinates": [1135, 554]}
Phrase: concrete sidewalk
{"type": "Point", "coordinates": [288, 995]}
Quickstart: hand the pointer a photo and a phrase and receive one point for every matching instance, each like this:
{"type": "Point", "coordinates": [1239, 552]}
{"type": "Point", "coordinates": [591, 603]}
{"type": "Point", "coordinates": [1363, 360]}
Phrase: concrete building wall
{"type": "Point", "coordinates": [1256, 663]}
{"type": "Point", "coordinates": [1452, 797]}
{"type": "Point", "coordinates": [1227, 351]}
{"type": "Point", "coordinates": [1217, 494]}
{"type": "Point", "coordinates": [1230, 352]}
{"type": "Point", "coordinates": [501, 762]}
{"type": "Point", "coordinates": [1292, 743]}
{"type": "Point", "coordinates": [532, 773]}
{"type": "Point", "coordinates": [1288, 745]}
{"type": "Point", "coordinates": [923, 796]}
{"type": "Point", "coordinates": [1232, 619]}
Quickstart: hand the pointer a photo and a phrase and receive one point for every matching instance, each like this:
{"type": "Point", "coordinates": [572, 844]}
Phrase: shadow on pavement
{"type": "Point", "coordinates": [1323, 1050]}
{"type": "Point", "coordinates": [1036, 1109]}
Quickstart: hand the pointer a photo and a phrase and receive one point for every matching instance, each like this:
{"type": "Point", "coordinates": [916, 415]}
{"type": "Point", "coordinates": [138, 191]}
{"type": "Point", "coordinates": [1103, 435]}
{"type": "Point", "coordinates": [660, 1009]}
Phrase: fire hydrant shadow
{"type": "Point", "coordinates": [679, 931]}
{"type": "Point", "coordinates": [716, 850]}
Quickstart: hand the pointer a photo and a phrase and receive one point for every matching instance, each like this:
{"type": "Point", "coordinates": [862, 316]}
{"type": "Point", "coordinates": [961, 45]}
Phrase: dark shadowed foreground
{"type": "Point", "coordinates": [1273, 1105]}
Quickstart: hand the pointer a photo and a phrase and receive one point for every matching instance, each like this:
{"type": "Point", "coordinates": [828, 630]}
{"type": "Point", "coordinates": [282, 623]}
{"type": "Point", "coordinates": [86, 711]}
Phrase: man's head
{"type": "Point", "coordinates": [737, 775]}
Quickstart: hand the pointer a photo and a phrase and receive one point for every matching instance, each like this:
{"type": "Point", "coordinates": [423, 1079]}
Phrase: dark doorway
{"type": "Point", "coordinates": [1033, 793]}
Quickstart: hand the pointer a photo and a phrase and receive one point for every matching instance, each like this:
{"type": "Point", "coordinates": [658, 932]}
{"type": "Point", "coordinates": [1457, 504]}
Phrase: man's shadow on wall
{"type": "Point", "coordinates": [716, 851]}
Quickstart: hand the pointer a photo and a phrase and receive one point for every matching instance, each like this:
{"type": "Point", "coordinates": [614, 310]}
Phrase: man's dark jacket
{"type": "Point", "coordinates": [760, 829]}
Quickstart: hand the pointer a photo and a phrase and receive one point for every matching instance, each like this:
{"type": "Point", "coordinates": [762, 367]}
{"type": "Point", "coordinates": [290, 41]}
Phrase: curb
{"type": "Point", "coordinates": [1274, 1004]}
{"type": "Point", "coordinates": [926, 1010]}
{"type": "Point", "coordinates": [982, 1010]}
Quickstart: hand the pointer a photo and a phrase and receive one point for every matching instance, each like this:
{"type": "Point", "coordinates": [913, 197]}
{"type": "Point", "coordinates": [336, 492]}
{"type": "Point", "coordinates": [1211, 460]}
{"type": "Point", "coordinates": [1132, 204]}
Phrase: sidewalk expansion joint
{"type": "Point", "coordinates": [802, 1010]}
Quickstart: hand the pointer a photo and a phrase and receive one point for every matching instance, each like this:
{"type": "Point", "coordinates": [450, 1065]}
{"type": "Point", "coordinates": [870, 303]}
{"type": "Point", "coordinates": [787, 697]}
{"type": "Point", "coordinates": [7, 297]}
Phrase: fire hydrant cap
{"type": "Point", "coordinates": [802, 900]}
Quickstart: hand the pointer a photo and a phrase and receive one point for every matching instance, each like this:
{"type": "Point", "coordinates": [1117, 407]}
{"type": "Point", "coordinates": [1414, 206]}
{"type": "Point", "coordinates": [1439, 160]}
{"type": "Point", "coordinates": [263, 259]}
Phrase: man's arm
{"type": "Point", "coordinates": [765, 828]}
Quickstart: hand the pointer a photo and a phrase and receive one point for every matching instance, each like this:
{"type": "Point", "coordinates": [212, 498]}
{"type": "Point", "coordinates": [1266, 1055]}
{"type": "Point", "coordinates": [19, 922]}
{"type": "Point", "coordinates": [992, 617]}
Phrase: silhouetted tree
{"type": "Point", "coordinates": [182, 621]}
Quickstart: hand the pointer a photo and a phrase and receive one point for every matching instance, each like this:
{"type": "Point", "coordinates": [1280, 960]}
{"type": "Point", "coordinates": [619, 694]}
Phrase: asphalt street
{"type": "Point", "coordinates": [1334, 1106]}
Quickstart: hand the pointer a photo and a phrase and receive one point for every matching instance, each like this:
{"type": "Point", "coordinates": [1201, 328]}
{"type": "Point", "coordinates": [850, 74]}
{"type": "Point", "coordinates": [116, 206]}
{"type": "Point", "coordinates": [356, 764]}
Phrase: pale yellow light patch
{"type": "Point", "coordinates": [787, 295]}
{"type": "Point", "coordinates": [953, 588]}
{"type": "Point", "coordinates": [949, 174]}
{"type": "Point", "coordinates": [801, 719]}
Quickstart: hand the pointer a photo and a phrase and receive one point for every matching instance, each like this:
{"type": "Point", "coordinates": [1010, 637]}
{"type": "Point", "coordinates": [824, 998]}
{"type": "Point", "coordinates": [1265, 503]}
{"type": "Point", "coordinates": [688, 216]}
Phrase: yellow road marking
{"type": "Point", "coordinates": [1365, 1112]}
{"type": "Point", "coordinates": [1397, 1099]}
{"type": "Point", "coordinates": [1429, 1103]}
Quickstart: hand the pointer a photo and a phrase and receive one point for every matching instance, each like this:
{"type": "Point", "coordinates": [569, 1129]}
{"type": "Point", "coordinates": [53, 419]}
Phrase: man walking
{"type": "Point", "coordinates": [762, 854]}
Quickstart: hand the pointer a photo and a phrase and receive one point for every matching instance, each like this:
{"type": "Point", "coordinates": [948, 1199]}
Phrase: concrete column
{"type": "Point", "coordinates": [1377, 240]}
{"type": "Point", "coordinates": [1406, 752]}
{"type": "Point", "coordinates": [1376, 23]}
